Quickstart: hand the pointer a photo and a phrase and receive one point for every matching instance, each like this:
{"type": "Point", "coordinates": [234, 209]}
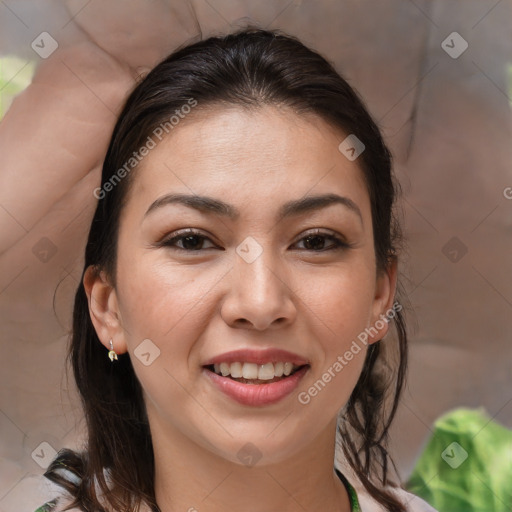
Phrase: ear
{"type": "Point", "coordinates": [104, 309]}
{"type": "Point", "coordinates": [385, 288]}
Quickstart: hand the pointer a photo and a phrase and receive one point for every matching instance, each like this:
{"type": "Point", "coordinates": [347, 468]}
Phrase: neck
{"type": "Point", "coordinates": [189, 477]}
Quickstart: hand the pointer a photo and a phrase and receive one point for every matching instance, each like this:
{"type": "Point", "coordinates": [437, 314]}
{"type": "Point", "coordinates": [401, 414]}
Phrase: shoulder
{"type": "Point", "coordinates": [48, 506]}
{"type": "Point", "coordinates": [57, 499]}
{"type": "Point", "coordinates": [367, 503]}
{"type": "Point", "coordinates": [56, 505]}
{"type": "Point", "coordinates": [412, 502]}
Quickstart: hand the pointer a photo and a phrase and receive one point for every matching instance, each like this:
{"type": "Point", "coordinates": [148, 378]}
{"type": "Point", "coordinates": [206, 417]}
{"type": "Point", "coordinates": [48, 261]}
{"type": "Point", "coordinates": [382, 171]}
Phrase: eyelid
{"type": "Point", "coordinates": [340, 241]}
{"type": "Point", "coordinates": [183, 233]}
{"type": "Point", "coordinates": [323, 232]}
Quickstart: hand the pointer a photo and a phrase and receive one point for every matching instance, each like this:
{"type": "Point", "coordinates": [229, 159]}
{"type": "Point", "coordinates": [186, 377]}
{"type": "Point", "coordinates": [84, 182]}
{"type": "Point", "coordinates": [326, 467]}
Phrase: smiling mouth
{"type": "Point", "coordinates": [251, 373]}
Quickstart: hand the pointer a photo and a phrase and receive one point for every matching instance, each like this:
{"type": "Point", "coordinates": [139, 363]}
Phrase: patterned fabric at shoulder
{"type": "Point", "coordinates": [50, 506]}
{"type": "Point", "coordinates": [415, 503]}
{"type": "Point", "coordinates": [55, 505]}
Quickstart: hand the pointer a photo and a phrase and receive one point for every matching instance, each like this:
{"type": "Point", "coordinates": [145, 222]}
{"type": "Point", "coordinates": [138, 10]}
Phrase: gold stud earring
{"type": "Point", "coordinates": [112, 354]}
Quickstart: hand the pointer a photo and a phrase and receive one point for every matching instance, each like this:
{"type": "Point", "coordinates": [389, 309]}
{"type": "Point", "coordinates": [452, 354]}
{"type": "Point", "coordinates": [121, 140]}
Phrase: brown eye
{"type": "Point", "coordinates": [189, 240]}
{"type": "Point", "coordinates": [316, 242]}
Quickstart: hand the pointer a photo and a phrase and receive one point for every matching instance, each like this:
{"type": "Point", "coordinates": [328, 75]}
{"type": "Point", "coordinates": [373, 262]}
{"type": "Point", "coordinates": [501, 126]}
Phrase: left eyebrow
{"type": "Point", "coordinates": [295, 207]}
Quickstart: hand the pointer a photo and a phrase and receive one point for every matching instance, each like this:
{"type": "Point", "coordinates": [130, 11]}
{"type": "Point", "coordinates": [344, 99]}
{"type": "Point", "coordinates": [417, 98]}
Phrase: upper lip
{"type": "Point", "coordinates": [270, 355]}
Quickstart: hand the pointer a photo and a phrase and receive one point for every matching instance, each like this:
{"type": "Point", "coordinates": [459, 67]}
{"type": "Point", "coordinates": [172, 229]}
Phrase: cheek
{"type": "Point", "coordinates": [340, 299]}
{"type": "Point", "coordinates": [166, 305]}
{"type": "Point", "coordinates": [160, 298]}
{"type": "Point", "coordinates": [171, 306]}
{"type": "Point", "coordinates": [339, 306]}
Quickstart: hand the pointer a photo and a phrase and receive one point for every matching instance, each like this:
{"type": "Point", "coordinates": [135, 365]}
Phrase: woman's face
{"type": "Point", "coordinates": [259, 273]}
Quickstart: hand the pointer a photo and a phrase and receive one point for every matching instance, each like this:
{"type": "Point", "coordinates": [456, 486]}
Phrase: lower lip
{"type": "Point", "coordinates": [257, 394]}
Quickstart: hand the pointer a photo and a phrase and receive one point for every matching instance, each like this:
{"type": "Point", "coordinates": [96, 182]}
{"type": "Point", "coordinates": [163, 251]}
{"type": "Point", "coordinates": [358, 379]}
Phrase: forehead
{"type": "Point", "coordinates": [258, 154]}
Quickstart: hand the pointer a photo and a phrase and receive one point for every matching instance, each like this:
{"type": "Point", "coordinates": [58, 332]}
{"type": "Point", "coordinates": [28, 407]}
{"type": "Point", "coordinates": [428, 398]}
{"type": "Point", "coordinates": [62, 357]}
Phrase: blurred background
{"type": "Point", "coordinates": [437, 77]}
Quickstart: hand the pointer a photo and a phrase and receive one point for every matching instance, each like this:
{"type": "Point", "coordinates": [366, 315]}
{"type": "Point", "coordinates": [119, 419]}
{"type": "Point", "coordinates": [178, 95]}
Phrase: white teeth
{"type": "Point", "coordinates": [254, 371]}
{"type": "Point", "coordinates": [224, 369]}
{"type": "Point", "coordinates": [266, 371]}
{"type": "Point", "coordinates": [250, 371]}
{"type": "Point", "coordinates": [236, 370]}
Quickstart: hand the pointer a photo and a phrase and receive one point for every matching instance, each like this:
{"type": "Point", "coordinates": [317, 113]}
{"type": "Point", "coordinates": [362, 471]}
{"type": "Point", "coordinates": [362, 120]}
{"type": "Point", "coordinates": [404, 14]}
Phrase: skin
{"type": "Point", "coordinates": [194, 305]}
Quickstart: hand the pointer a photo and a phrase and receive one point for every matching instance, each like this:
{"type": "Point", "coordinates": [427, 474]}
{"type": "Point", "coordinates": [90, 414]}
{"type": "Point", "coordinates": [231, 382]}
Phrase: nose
{"type": "Point", "coordinates": [260, 295]}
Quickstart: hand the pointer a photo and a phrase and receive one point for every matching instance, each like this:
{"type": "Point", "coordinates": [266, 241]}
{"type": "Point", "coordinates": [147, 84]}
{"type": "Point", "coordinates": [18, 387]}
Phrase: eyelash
{"type": "Point", "coordinates": [338, 243]}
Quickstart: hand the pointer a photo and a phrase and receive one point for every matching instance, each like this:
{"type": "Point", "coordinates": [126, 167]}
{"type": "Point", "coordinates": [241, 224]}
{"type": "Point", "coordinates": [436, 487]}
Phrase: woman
{"type": "Point", "coordinates": [240, 274]}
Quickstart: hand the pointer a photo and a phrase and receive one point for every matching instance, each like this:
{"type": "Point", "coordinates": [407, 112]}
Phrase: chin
{"type": "Point", "coordinates": [258, 450]}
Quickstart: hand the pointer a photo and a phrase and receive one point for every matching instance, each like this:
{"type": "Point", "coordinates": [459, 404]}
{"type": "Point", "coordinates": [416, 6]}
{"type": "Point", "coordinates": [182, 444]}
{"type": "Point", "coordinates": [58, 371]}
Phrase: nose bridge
{"type": "Point", "coordinates": [257, 270]}
{"type": "Point", "coordinates": [259, 294]}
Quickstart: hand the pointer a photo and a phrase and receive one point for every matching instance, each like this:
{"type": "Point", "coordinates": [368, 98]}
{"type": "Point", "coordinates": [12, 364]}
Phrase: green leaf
{"type": "Point", "coordinates": [15, 75]}
{"type": "Point", "coordinates": [466, 465]}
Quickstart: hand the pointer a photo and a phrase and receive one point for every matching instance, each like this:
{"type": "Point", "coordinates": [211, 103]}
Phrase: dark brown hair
{"type": "Point", "coordinates": [248, 69]}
